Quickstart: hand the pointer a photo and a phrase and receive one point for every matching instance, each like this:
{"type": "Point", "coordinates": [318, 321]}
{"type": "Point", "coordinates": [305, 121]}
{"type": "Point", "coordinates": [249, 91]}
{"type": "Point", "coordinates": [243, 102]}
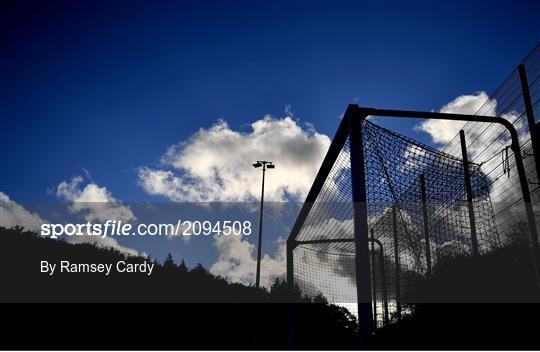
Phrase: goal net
{"type": "Point", "coordinates": [417, 212]}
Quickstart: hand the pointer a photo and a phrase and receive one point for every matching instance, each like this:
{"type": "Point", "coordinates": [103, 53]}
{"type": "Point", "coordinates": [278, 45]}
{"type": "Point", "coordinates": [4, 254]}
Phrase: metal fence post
{"type": "Point", "coordinates": [515, 149]}
{"type": "Point", "coordinates": [426, 225]}
{"type": "Point", "coordinates": [383, 284]}
{"type": "Point", "coordinates": [536, 153]}
{"type": "Point", "coordinates": [374, 280]}
{"type": "Point", "coordinates": [530, 118]}
{"type": "Point", "coordinates": [396, 262]}
{"type": "Point", "coordinates": [468, 190]}
{"type": "Point", "coordinates": [290, 245]}
{"type": "Point", "coordinates": [528, 205]}
{"type": "Point", "coordinates": [361, 234]}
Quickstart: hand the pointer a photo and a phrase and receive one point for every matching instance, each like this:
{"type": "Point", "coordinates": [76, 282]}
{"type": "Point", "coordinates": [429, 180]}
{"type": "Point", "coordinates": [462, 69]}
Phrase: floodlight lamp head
{"type": "Point", "coordinates": [271, 166]}
{"type": "Point", "coordinates": [257, 164]}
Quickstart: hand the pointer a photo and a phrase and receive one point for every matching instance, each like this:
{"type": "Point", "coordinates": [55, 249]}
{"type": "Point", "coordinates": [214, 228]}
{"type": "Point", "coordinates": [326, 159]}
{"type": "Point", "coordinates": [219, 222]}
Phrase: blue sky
{"type": "Point", "coordinates": [108, 86]}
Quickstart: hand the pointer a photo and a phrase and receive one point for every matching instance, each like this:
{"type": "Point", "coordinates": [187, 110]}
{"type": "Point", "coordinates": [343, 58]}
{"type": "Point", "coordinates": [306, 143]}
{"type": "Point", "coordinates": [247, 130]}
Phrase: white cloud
{"type": "Point", "coordinates": [443, 131]}
{"type": "Point", "coordinates": [237, 261]}
{"type": "Point", "coordinates": [178, 233]}
{"type": "Point", "coordinates": [95, 202]}
{"type": "Point", "coordinates": [12, 214]}
{"type": "Point", "coordinates": [215, 163]}
{"type": "Point", "coordinates": [330, 275]}
{"type": "Point", "coordinates": [485, 143]}
{"type": "Point", "coordinates": [104, 242]}
{"type": "Point", "coordinates": [288, 110]}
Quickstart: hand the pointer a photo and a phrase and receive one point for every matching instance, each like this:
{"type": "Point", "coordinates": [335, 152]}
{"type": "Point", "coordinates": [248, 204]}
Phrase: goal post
{"type": "Point", "coordinates": [345, 163]}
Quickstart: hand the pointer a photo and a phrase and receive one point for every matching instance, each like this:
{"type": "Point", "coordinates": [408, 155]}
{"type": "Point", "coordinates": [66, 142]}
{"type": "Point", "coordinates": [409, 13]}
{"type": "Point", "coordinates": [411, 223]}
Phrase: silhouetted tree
{"type": "Point", "coordinates": [182, 268]}
{"type": "Point", "coordinates": [168, 263]}
{"type": "Point", "coordinates": [320, 299]}
{"type": "Point", "coordinates": [199, 270]}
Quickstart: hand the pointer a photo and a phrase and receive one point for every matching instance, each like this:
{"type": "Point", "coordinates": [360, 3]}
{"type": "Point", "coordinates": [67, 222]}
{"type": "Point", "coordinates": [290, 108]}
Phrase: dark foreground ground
{"type": "Point", "coordinates": [466, 326]}
{"type": "Point", "coordinates": [246, 326]}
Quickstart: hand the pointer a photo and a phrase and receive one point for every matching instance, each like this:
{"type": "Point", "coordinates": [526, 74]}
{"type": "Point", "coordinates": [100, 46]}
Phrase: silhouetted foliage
{"type": "Point", "coordinates": [263, 323]}
{"type": "Point", "coordinates": [464, 304]}
{"type": "Point", "coordinates": [169, 264]}
{"type": "Point", "coordinates": [182, 268]}
{"type": "Point", "coordinates": [504, 275]}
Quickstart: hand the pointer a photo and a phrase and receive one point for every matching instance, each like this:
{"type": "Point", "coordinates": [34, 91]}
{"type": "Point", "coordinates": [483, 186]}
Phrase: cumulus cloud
{"type": "Point", "coordinates": [485, 144]}
{"type": "Point", "coordinates": [95, 202]}
{"type": "Point", "coordinates": [215, 163]}
{"type": "Point", "coordinates": [479, 142]}
{"type": "Point", "coordinates": [178, 233]}
{"type": "Point", "coordinates": [105, 242]}
{"type": "Point", "coordinates": [443, 131]}
{"type": "Point", "coordinates": [484, 141]}
{"type": "Point", "coordinates": [237, 261]}
{"type": "Point", "coordinates": [13, 214]}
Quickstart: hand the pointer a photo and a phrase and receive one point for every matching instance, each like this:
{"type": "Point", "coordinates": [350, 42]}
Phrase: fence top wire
{"type": "Point", "coordinates": [487, 143]}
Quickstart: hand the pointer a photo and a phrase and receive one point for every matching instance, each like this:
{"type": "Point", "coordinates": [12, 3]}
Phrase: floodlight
{"type": "Point", "coordinates": [270, 166]}
{"type": "Point", "coordinates": [257, 164]}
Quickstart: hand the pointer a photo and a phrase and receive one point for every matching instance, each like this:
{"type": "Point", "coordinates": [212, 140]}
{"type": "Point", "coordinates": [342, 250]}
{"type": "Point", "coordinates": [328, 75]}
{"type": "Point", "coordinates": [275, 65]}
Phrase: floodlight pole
{"type": "Point", "coordinates": [264, 165]}
{"type": "Point", "coordinates": [362, 113]}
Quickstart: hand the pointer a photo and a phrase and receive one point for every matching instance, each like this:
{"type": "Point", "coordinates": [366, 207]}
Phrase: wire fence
{"type": "Point", "coordinates": [420, 212]}
{"type": "Point", "coordinates": [396, 167]}
{"type": "Point", "coordinates": [488, 146]}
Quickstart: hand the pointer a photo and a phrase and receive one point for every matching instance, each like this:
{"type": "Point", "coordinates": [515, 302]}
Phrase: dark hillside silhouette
{"type": "Point", "coordinates": [168, 282]}
{"type": "Point", "coordinates": [472, 302]}
{"type": "Point", "coordinates": [264, 323]}
{"type": "Point", "coordinates": [505, 275]}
